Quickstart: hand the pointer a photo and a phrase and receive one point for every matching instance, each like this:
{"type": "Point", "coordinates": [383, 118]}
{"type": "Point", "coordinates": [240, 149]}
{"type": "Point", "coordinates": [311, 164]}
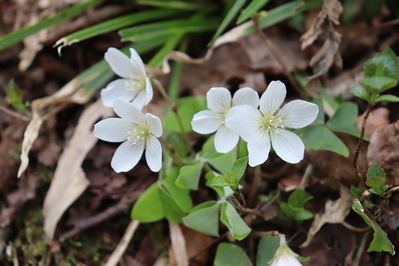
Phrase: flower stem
{"type": "Point", "coordinates": [174, 110]}
{"type": "Point", "coordinates": [359, 145]}
{"type": "Point", "coordinates": [172, 151]}
{"type": "Point", "coordinates": [255, 184]}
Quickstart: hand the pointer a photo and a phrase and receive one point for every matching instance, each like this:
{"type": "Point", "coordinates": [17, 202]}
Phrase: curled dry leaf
{"type": "Point", "coordinates": [323, 27]}
{"type": "Point", "coordinates": [69, 180]}
{"type": "Point", "coordinates": [334, 212]}
{"type": "Point", "coordinates": [384, 150]}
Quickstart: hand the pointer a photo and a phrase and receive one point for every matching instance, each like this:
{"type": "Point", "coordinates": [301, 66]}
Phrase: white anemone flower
{"type": "Point", "coordinates": [261, 126]}
{"type": "Point", "coordinates": [219, 103]}
{"type": "Point", "coordinates": [137, 131]}
{"type": "Point", "coordinates": [134, 87]}
{"type": "Point", "coordinates": [284, 256]}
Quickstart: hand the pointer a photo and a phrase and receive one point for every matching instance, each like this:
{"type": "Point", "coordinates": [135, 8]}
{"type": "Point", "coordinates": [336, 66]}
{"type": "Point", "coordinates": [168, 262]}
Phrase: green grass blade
{"type": "Point", "coordinates": [167, 28]}
{"type": "Point", "coordinates": [251, 9]}
{"type": "Point", "coordinates": [182, 5]}
{"type": "Point", "coordinates": [19, 35]}
{"type": "Point", "coordinates": [156, 61]}
{"type": "Point", "coordinates": [115, 24]}
{"type": "Point", "coordinates": [229, 17]}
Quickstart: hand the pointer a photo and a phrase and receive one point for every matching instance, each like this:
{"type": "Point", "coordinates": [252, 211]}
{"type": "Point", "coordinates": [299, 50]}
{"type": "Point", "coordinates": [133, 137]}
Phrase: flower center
{"type": "Point", "coordinates": [139, 133]}
{"type": "Point", "coordinates": [272, 124]}
{"type": "Point", "coordinates": [135, 84]}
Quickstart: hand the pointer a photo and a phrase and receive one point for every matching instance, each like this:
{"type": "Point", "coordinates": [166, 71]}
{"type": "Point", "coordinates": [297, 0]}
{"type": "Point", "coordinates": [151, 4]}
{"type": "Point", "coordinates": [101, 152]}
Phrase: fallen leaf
{"type": "Point", "coordinates": [178, 245]}
{"type": "Point", "coordinates": [323, 27]}
{"type": "Point", "coordinates": [377, 118]}
{"type": "Point", "coordinates": [334, 212]}
{"type": "Point", "coordinates": [69, 180]}
{"type": "Point", "coordinates": [384, 150]}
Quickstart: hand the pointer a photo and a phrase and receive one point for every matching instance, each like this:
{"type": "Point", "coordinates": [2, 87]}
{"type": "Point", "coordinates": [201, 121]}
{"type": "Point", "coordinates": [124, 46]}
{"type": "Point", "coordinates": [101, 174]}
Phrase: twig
{"type": "Point", "coordinates": [276, 54]}
{"type": "Point", "coordinates": [359, 145]}
{"type": "Point", "coordinates": [255, 185]}
{"type": "Point", "coordinates": [15, 114]}
{"type": "Point", "coordinates": [172, 151]}
{"type": "Point", "coordinates": [387, 197]}
{"type": "Point", "coordinates": [264, 234]}
{"type": "Point", "coordinates": [174, 110]}
{"type": "Point", "coordinates": [356, 229]}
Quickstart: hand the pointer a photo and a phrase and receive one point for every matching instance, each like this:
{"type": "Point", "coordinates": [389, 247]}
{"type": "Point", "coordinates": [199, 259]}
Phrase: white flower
{"type": "Point", "coordinates": [284, 256]}
{"type": "Point", "coordinates": [135, 87]}
{"type": "Point", "coordinates": [259, 127]}
{"type": "Point", "coordinates": [138, 132]}
{"type": "Point", "coordinates": [219, 102]}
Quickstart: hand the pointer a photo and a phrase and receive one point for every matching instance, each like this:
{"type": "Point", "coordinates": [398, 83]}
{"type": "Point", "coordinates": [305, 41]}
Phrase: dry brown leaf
{"type": "Point", "coordinates": [334, 212]}
{"type": "Point", "coordinates": [120, 249]}
{"type": "Point", "coordinates": [377, 118]}
{"type": "Point", "coordinates": [69, 180]}
{"type": "Point", "coordinates": [178, 245]}
{"type": "Point", "coordinates": [323, 27]}
{"type": "Point", "coordinates": [384, 150]}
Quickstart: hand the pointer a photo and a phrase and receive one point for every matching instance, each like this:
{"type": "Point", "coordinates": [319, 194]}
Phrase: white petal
{"type": "Point", "coordinates": [206, 122]}
{"type": "Point", "coordinates": [112, 129]}
{"type": "Point", "coordinates": [137, 62]}
{"type": "Point", "coordinates": [219, 99]}
{"type": "Point", "coordinates": [298, 113]}
{"type": "Point", "coordinates": [153, 154]}
{"type": "Point", "coordinates": [288, 146]}
{"type": "Point", "coordinates": [120, 63]}
{"type": "Point", "coordinates": [243, 120]}
{"type": "Point", "coordinates": [225, 140]}
{"type": "Point", "coordinates": [258, 148]}
{"type": "Point", "coordinates": [126, 156]}
{"type": "Point", "coordinates": [155, 124]}
{"type": "Point", "coordinates": [128, 111]}
{"type": "Point", "coordinates": [148, 91]}
{"type": "Point", "coordinates": [272, 98]}
{"type": "Point", "coordinates": [246, 96]}
{"type": "Point", "coordinates": [117, 89]}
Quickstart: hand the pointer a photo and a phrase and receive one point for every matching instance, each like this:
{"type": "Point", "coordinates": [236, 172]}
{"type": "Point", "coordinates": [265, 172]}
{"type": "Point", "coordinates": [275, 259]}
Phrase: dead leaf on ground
{"type": "Point", "coordinates": [177, 250]}
{"type": "Point", "coordinates": [384, 150]}
{"type": "Point", "coordinates": [69, 180]}
{"type": "Point", "coordinates": [334, 212]}
{"type": "Point", "coordinates": [391, 215]}
{"type": "Point", "coordinates": [377, 118]}
{"type": "Point", "coordinates": [323, 28]}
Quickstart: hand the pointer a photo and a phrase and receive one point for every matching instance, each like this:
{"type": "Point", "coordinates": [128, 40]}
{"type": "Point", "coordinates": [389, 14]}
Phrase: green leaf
{"type": "Point", "coordinates": [387, 98]}
{"type": "Point", "coordinates": [14, 97]}
{"type": "Point", "coordinates": [231, 255]}
{"type": "Point", "coordinates": [223, 161]}
{"type": "Point", "coordinates": [229, 17]}
{"type": "Point", "coordinates": [222, 181]}
{"type": "Point", "coordinates": [384, 64]}
{"type": "Point", "coordinates": [320, 115]}
{"type": "Point", "coordinates": [361, 92]}
{"type": "Point", "coordinates": [115, 24]}
{"type": "Point", "coordinates": [233, 221]}
{"type": "Point", "coordinates": [180, 196]}
{"type": "Point", "coordinates": [210, 176]}
{"type": "Point", "coordinates": [266, 249]}
{"type": "Point", "coordinates": [378, 84]}
{"type": "Point", "coordinates": [251, 9]}
{"type": "Point", "coordinates": [322, 138]}
{"type": "Point", "coordinates": [298, 214]}
{"type": "Point", "coordinates": [330, 104]}
{"type": "Point", "coordinates": [233, 177]}
{"type": "Point", "coordinates": [189, 176]}
{"type": "Point", "coordinates": [204, 218]}
{"type": "Point", "coordinates": [21, 34]}
{"type": "Point", "coordinates": [171, 209]}
{"type": "Point", "coordinates": [239, 168]}
{"type": "Point", "coordinates": [148, 207]}
{"type": "Point", "coordinates": [375, 171]}
{"type": "Point", "coordinates": [186, 108]}
{"type": "Point", "coordinates": [377, 185]}
{"type": "Point", "coordinates": [345, 119]}
{"type": "Point", "coordinates": [380, 239]}
{"type": "Point", "coordinates": [299, 198]}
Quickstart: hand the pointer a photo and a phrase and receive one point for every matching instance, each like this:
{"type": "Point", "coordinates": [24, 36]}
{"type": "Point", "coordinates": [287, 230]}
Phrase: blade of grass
{"type": "Point", "coordinates": [167, 28]}
{"type": "Point", "coordinates": [183, 5]}
{"type": "Point", "coordinates": [251, 9]}
{"type": "Point", "coordinates": [229, 17]}
{"type": "Point", "coordinates": [174, 84]}
{"type": "Point", "coordinates": [17, 36]}
{"type": "Point", "coordinates": [156, 61]}
{"type": "Point", "coordinates": [115, 24]}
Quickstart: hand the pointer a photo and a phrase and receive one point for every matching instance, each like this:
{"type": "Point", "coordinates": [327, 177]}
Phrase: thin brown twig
{"type": "Point", "coordinates": [356, 229]}
{"type": "Point", "coordinates": [276, 54]}
{"type": "Point", "coordinates": [255, 185]}
{"type": "Point", "coordinates": [15, 114]}
{"type": "Point", "coordinates": [359, 145]}
{"type": "Point", "coordinates": [172, 151]}
{"type": "Point", "coordinates": [387, 197]}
